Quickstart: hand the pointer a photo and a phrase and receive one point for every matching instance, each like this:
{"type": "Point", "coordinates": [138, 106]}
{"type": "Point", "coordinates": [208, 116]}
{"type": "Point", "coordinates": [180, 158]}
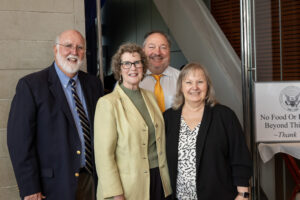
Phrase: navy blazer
{"type": "Point", "coordinates": [42, 137]}
{"type": "Point", "coordinates": [223, 160]}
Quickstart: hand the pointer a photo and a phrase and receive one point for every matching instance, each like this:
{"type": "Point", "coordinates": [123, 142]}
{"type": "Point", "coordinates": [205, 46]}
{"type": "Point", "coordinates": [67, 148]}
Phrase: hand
{"type": "Point", "coordinates": [241, 189]}
{"type": "Point", "coordinates": [119, 197]}
{"type": "Point", "coordinates": [238, 197]}
{"type": "Point", "coordinates": [36, 196]}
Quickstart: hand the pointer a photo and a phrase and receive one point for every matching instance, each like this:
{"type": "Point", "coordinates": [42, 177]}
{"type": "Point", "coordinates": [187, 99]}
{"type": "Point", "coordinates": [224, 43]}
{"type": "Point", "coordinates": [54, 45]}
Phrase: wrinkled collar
{"type": "Point", "coordinates": [167, 72]}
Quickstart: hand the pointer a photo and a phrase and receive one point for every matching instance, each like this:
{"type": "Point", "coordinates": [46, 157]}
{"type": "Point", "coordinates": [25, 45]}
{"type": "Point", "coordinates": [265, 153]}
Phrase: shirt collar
{"type": "Point", "coordinates": [165, 73]}
{"type": "Point", "coordinates": [64, 79]}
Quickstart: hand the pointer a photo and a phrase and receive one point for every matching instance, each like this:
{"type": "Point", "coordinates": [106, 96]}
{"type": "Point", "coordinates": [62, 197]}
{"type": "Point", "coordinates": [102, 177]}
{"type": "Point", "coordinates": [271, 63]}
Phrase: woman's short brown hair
{"type": "Point", "coordinates": [127, 48]}
{"type": "Point", "coordinates": [210, 98]}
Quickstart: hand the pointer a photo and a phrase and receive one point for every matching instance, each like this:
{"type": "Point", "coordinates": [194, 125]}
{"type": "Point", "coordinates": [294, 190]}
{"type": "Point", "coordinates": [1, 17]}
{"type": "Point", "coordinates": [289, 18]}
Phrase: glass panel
{"type": "Point", "coordinates": [267, 40]}
{"type": "Point", "coordinates": [290, 26]}
{"type": "Point", "coordinates": [277, 35]}
{"type": "Point", "coordinates": [227, 15]}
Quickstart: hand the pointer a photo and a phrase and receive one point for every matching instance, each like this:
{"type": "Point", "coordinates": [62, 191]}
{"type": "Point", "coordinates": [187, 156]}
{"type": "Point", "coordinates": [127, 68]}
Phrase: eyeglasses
{"type": "Point", "coordinates": [70, 47]}
{"type": "Point", "coordinates": [128, 64]}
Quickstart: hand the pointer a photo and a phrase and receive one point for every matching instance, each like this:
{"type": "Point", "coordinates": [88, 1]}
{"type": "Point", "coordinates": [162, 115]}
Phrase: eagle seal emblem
{"type": "Point", "coordinates": [289, 98]}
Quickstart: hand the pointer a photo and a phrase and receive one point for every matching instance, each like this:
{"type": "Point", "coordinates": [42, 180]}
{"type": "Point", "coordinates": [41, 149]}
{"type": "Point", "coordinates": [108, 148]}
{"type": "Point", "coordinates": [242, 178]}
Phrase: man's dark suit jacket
{"type": "Point", "coordinates": [222, 158]}
{"type": "Point", "coordinates": [42, 138]}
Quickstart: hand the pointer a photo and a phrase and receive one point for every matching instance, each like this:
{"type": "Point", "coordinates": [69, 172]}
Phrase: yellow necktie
{"type": "Point", "coordinates": [158, 91]}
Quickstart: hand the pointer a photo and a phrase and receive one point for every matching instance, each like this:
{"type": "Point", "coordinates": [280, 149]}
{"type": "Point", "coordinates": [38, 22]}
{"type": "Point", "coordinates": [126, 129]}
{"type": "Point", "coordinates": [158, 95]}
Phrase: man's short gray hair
{"type": "Point", "coordinates": [159, 32]}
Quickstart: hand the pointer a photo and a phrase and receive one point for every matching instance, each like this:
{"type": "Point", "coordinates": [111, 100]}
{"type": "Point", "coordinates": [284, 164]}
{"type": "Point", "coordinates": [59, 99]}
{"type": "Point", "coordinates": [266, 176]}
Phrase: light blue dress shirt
{"type": "Point", "coordinates": [64, 80]}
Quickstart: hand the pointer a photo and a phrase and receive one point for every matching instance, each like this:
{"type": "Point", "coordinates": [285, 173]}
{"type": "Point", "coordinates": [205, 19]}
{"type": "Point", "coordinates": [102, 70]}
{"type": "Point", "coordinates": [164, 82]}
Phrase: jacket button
{"type": "Point", "coordinates": [156, 126]}
{"type": "Point", "coordinates": [77, 174]}
{"type": "Point", "coordinates": [78, 152]}
{"type": "Point", "coordinates": [145, 172]}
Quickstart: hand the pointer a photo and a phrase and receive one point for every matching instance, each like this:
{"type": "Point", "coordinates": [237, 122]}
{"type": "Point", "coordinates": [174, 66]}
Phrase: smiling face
{"type": "Point", "coordinates": [133, 75]}
{"type": "Point", "coordinates": [194, 87]}
{"type": "Point", "coordinates": [157, 50]}
{"type": "Point", "coordinates": [70, 52]}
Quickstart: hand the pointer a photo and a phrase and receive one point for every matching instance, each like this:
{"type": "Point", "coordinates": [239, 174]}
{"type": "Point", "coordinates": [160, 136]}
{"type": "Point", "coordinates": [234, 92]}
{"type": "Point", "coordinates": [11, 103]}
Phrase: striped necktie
{"type": "Point", "coordinates": [159, 93]}
{"type": "Point", "coordinates": [85, 125]}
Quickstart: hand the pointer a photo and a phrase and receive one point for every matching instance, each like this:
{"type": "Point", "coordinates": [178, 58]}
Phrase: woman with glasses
{"type": "Point", "coordinates": [129, 135]}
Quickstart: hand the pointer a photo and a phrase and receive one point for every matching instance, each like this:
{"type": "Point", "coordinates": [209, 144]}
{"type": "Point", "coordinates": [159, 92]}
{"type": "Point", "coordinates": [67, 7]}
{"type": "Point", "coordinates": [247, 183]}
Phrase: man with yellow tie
{"type": "Point", "coordinates": [160, 77]}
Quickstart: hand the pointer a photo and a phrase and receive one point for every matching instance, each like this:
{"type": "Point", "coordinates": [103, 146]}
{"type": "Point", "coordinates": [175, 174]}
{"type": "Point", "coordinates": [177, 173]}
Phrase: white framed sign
{"type": "Point", "coordinates": [277, 111]}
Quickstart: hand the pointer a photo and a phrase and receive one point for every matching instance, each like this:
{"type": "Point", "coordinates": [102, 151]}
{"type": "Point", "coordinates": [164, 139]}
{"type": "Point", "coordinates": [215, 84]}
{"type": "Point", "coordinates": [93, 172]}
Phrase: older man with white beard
{"type": "Point", "coordinates": [50, 126]}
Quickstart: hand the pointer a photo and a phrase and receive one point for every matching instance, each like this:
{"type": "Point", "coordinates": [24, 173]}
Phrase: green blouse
{"type": "Point", "coordinates": [137, 99]}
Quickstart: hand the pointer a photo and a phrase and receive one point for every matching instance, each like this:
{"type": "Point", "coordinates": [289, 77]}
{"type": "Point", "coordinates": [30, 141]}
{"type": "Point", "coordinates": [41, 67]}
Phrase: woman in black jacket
{"type": "Point", "coordinates": [206, 149]}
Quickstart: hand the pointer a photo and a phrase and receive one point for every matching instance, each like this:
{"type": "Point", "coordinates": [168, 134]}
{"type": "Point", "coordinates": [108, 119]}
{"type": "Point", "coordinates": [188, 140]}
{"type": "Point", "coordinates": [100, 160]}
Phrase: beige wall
{"type": "Point", "coordinates": [28, 29]}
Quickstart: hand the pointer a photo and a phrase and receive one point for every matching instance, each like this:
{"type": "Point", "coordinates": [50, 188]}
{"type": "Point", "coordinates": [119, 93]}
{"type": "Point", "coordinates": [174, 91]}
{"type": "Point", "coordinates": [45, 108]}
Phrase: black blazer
{"type": "Point", "coordinates": [42, 137]}
{"type": "Point", "coordinates": [222, 158]}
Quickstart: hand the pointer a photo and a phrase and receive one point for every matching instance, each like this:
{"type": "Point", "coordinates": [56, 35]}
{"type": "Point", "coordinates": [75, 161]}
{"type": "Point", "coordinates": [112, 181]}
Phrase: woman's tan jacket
{"type": "Point", "coordinates": [121, 147]}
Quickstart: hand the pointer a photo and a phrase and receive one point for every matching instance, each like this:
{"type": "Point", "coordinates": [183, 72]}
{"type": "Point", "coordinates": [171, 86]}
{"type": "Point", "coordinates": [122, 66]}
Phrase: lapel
{"type": "Point", "coordinates": [175, 128]}
{"type": "Point", "coordinates": [172, 122]}
{"type": "Point", "coordinates": [149, 107]}
{"type": "Point", "coordinates": [58, 93]}
{"type": "Point", "coordinates": [202, 134]}
{"type": "Point", "coordinates": [128, 106]}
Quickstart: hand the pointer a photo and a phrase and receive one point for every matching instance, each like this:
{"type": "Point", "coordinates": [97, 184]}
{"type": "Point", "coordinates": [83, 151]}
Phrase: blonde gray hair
{"type": "Point", "coordinates": [210, 98]}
